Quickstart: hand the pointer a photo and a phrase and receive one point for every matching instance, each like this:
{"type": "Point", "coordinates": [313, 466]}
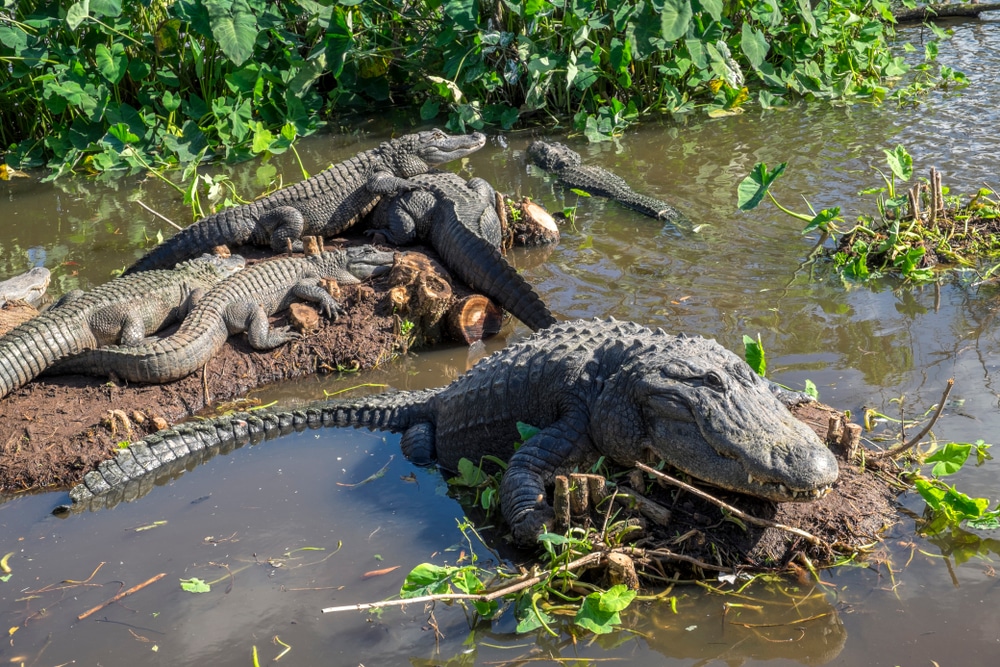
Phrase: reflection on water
{"type": "Point", "coordinates": [242, 520]}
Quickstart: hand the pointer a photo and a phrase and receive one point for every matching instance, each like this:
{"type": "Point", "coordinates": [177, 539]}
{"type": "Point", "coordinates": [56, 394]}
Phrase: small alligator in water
{"type": "Point", "coordinates": [323, 205]}
{"type": "Point", "coordinates": [240, 303]}
{"type": "Point", "coordinates": [594, 388]}
{"type": "Point", "coordinates": [125, 310]}
{"type": "Point", "coordinates": [28, 287]}
{"type": "Point", "coordinates": [460, 221]}
{"type": "Point", "coordinates": [568, 166]}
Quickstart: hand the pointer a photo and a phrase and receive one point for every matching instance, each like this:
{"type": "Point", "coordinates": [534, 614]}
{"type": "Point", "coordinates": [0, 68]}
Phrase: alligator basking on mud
{"type": "Point", "coordinates": [460, 221]}
{"type": "Point", "coordinates": [323, 205]}
{"type": "Point", "coordinates": [568, 166]}
{"type": "Point", "coordinates": [125, 310]}
{"type": "Point", "coordinates": [28, 287]}
{"type": "Point", "coordinates": [241, 303]}
{"type": "Point", "coordinates": [594, 388]}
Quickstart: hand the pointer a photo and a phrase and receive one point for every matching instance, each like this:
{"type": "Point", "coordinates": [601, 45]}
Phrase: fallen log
{"type": "Point", "coordinates": [942, 11]}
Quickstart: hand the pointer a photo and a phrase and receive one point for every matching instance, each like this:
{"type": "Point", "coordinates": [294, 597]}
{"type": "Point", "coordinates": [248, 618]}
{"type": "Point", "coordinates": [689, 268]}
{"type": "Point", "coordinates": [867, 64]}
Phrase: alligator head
{"type": "Point", "coordinates": [218, 264]}
{"type": "Point", "coordinates": [701, 408]}
{"type": "Point", "coordinates": [365, 261]}
{"type": "Point", "coordinates": [554, 156]}
{"type": "Point", "coordinates": [413, 154]}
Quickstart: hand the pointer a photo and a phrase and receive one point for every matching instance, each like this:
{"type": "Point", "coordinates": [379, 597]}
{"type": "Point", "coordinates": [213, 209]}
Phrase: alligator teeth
{"type": "Point", "coordinates": [783, 490]}
{"type": "Point", "coordinates": [749, 479]}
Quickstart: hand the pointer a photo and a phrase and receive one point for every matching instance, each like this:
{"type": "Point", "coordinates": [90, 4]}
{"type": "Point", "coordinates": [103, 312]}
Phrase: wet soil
{"type": "Point", "coordinates": [56, 428]}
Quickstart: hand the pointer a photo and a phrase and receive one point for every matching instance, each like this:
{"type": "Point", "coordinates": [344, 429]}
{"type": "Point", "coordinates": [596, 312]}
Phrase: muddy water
{"type": "Point", "coordinates": [284, 529]}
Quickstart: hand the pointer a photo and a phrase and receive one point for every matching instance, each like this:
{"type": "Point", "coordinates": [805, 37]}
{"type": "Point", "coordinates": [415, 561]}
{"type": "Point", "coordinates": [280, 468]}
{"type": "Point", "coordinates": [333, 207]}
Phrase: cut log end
{"type": "Point", "coordinates": [474, 318]}
{"type": "Point", "coordinates": [533, 225]}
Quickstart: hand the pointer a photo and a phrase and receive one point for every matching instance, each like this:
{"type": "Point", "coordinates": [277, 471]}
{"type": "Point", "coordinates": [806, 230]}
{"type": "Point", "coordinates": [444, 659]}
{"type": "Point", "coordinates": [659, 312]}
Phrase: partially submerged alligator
{"type": "Point", "coordinates": [323, 205]}
{"type": "Point", "coordinates": [124, 310]}
{"type": "Point", "coordinates": [594, 388]}
{"type": "Point", "coordinates": [568, 166]}
{"type": "Point", "coordinates": [460, 221]}
{"type": "Point", "coordinates": [241, 303]}
{"type": "Point", "coordinates": [28, 287]}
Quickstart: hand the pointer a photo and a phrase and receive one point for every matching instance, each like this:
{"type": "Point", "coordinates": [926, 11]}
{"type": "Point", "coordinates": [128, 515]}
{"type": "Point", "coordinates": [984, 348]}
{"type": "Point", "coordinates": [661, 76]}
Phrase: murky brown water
{"type": "Point", "coordinates": [244, 521]}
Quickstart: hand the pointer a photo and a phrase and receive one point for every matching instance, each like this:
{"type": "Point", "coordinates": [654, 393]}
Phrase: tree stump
{"type": "Point", "coordinates": [473, 318]}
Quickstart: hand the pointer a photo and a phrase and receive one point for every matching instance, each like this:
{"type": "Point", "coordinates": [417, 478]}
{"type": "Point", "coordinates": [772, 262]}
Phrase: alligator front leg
{"type": "Point", "coordinates": [252, 318]}
{"type": "Point", "coordinates": [522, 489]}
{"type": "Point", "coordinates": [310, 290]}
{"type": "Point", "coordinates": [387, 183]}
{"type": "Point", "coordinates": [283, 224]}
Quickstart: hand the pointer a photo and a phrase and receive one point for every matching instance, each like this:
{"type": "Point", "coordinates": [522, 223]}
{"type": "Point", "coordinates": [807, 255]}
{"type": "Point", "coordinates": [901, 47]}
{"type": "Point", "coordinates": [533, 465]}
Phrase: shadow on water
{"type": "Point", "coordinates": [248, 521]}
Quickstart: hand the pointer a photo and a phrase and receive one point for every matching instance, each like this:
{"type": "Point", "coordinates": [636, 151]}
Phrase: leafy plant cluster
{"type": "Point", "coordinates": [947, 507]}
{"type": "Point", "coordinates": [98, 85]}
{"type": "Point", "coordinates": [914, 230]}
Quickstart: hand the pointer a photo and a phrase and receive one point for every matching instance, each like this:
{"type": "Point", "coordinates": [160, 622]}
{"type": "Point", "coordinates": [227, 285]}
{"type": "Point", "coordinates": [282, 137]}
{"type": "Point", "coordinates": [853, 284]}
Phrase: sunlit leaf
{"type": "Point", "coordinates": [753, 352]}
{"type": "Point", "coordinates": [900, 162]}
{"type": "Point", "coordinates": [426, 579]}
{"type": "Point", "coordinates": [195, 585]}
{"type": "Point", "coordinates": [949, 459]}
{"type": "Point", "coordinates": [675, 17]}
{"type": "Point", "coordinates": [752, 189]}
{"type": "Point", "coordinates": [234, 27]}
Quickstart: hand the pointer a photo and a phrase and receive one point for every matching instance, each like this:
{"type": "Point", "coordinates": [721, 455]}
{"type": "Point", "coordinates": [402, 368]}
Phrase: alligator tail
{"type": "Point", "coordinates": [230, 227]}
{"type": "Point", "coordinates": [136, 469]}
{"type": "Point", "coordinates": [485, 270]}
{"type": "Point", "coordinates": [33, 346]}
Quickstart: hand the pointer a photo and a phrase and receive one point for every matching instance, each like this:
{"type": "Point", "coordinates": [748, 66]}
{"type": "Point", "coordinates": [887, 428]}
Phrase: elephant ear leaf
{"type": "Point", "coordinates": [753, 188]}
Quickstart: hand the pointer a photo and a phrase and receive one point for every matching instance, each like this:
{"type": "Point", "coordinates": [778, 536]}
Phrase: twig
{"type": "Point", "coordinates": [667, 553]}
{"type": "Point", "coordinates": [159, 215]}
{"type": "Point", "coordinates": [482, 597]}
{"type": "Point", "coordinates": [121, 595]}
{"type": "Point", "coordinates": [899, 449]}
{"type": "Point", "coordinates": [809, 537]}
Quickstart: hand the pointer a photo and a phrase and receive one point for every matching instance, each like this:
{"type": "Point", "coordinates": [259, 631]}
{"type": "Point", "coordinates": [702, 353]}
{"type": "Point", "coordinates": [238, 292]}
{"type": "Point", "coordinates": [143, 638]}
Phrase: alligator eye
{"type": "Point", "coordinates": [714, 381]}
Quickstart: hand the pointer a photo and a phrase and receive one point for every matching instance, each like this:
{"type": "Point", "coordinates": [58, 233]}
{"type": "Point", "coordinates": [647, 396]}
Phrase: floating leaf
{"type": "Point", "coordinates": [195, 585]}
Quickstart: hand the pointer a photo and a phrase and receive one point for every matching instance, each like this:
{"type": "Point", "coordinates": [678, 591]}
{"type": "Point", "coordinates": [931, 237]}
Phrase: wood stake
{"type": "Point", "coordinates": [121, 595]}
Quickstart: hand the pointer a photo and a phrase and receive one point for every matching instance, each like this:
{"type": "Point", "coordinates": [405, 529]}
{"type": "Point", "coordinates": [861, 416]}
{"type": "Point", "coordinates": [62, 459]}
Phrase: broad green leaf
{"type": "Point", "coordinates": [469, 474]}
{"type": "Point", "coordinates": [262, 138]}
{"type": "Point", "coordinates": [811, 389]}
{"type": "Point", "coordinates": [120, 131]}
{"type": "Point", "coordinates": [949, 459]}
{"type": "Point", "coordinates": [426, 579]}
{"type": "Point", "coordinates": [900, 162]}
{"type": "Point", "coordinates": [616, 598]}
{"type": "Point", "coordinates": [675, 18]}
{"type": "Point", "coordinates": [529, 617]}
{"type": "Point", "coordinates": [753, 188]}
{"type": "Point", "coordinates": [821, 219]}
{"type": "Point", "coordinates": [592, 617]}
{"type": "Point", "coordinates": [713, 7]}
{"type": "Point", "coordinates": [101, 8]}
{"type": "Point", "coordinates": [988, 522]}
{"type": "Point", "coordinates": [931, 493]}
{"type": "Point", "coordinates": [753, 352]}
{"type": "Point", "coordinates": [527, 431]}
{"type": "Point", "coordinates": [195, 585]}
{"type": "Point", "coordinates": [465, 13]}
{"type": "Point", "coordinates": [111, 63]}
{"type": "Point", "coordinates": [77, 14]}
{"type": "Point", "coordinates": [234, 27]}
{"type": "Point", "coordinates": [754, 45]}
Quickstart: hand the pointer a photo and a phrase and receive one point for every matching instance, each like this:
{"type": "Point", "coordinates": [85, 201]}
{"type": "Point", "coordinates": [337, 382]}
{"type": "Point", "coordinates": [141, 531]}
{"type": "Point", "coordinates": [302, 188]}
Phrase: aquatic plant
{"type": "Point", "coordinates": [107, 85]}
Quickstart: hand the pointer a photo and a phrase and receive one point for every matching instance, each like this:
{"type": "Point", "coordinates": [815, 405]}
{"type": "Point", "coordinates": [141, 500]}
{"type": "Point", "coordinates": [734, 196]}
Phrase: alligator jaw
{"type": "Point", "coordinates": [437, 147]}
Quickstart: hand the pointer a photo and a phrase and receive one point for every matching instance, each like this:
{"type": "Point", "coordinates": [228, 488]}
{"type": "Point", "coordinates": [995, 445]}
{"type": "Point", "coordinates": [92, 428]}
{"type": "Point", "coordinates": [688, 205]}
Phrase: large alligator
{"type": "Point", "coordinates": [325, 204]}
{"type": "Point", "coordinates": [568, 166]}
{"type": "Point", "coordinates": [241, 303]}
{"type": "Point", "coordinates": [460, 221]}
{"type": "Point", "coordinates": [595, 389]}
{"type": "Point", "coordinates": [28, 287]}
{"type": "Point", "coordinates": [125, 310]}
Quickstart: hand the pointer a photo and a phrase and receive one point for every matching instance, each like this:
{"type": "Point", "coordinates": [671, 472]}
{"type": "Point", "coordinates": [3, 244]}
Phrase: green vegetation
{"type": "Point", "coordinates": [918, 233]}
{"type": "Point", "coordinates": [106, 85]}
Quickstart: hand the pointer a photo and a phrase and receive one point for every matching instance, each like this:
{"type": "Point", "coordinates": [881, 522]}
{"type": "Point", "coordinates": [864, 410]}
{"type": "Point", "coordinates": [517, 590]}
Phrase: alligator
{"type": "Point", "coordinates": [241, 303]}
{"type": "Point", "coordinates": [125, 310]}
{"type": "Point", "coordinates": [597, 388]}
{"type": "Point", "coordinates": [460, 221]}
{"type": "Point", "coordinates": [568, 166]}
{"type": "Point", "coordinates": [325, 204]}
{"type": "Point", "coordinates": [28, 287]}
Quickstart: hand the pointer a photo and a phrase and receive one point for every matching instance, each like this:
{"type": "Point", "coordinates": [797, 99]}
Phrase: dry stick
{"type": "Point", "coordinates": [121, 595]}
{"type": "Point", "coordinates": [159, 215]}
{"type": "Point", "coordinates": [809, 537]}
{"type": "Point", "coordinates": [899, 449]}
{"type": "Point", "coordinates": [484, 597]}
